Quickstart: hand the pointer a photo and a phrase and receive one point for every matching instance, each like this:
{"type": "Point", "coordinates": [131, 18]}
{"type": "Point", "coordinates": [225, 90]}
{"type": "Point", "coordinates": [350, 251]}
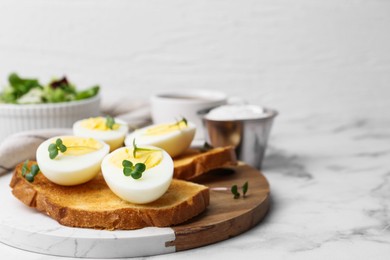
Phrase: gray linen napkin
{"type": "Point", "coordinates": [22, 146]}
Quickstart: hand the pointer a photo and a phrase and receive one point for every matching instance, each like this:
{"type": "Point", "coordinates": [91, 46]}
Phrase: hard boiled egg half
{"type": "Point", "coordinates": [153, 183]}
{"type": "Point", "coordinates": [78, 164]}
{"type": "Point", "coordinates": [174, 137]}
{"type": "Point", "coordinates": [113, 133]}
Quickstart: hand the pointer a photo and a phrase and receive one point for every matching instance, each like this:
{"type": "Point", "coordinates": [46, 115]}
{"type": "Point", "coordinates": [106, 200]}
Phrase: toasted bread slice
{"type": "Point", "coordinates": [195, 162]}
{"type": "Point", "coordinates": [93, 205]}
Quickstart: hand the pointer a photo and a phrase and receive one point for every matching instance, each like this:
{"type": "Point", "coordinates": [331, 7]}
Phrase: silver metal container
{"type": "Point", "coordinates": [248, 136]}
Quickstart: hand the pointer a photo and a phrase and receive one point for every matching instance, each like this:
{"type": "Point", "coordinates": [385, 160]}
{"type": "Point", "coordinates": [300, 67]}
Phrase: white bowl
{"type": "Point", "coordinates": [21, 117]}
{"type": "Point", "coordinates": [189, 103]}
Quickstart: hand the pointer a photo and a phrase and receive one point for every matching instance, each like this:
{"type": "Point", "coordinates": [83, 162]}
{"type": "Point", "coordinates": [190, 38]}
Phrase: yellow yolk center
{"type": "Point", "coordinates": [80, 146]}
{"type": "Point", "coordinates": [149, 158]}
{"type": "Point", "coordinates": [163, 129]}
{"type": "Point", "coordinates": [97, 123]}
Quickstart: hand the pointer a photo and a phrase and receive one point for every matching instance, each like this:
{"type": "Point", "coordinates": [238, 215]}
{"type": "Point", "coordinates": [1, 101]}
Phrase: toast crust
{"type": "Point", "coordinates": [194, 162]}
{"type": "Point", "coordinates": [93, 205]}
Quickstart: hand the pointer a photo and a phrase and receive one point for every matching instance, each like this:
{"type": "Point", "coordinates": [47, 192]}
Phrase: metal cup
{"type": "Point", "coordinates": [248, 136]}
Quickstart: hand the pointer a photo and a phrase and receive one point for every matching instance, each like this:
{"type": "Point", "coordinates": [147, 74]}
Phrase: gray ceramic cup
{"type": "Point", "coordinates": [248, 136]}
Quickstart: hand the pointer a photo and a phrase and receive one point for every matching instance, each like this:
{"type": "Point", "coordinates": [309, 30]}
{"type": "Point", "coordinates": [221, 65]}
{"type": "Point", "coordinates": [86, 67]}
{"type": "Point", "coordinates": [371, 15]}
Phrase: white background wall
{"type": "Point", "coordinates": [330, 57]}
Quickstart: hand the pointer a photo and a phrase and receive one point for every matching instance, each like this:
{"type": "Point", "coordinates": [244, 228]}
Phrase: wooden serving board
{"type": "Point", "coordinates": [225, 217]}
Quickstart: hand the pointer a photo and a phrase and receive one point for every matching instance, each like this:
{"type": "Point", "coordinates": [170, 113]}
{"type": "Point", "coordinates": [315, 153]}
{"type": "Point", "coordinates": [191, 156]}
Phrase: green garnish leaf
{"type": "Point", "coordinates": [34, 170]}
{"type": "Point", "coordinates": [185, 121]}
{"type": "Point", "coordinates": [178, 122]}
{"type": "Point", "coordinates": [62, 148]}
{"type": "Point", "coordinates": [29, 177]}
{"type": "Point", "coordinates": [110, 122]}
{"type": "Point", "coordinates": [245, 189]}
{"type": "Point", "coordinates": [139, 149]}
{"type": "Point", "coordinates": [206, 147]}
{"type": "Point", "coordinates": [136, 175]}
{"type": "Point", "coordinates": [234, 190]}
{"type": "Point", "coordinates": [134, 149]}
{"type": "Point", "coordinates": [54, 148]}
{"type": "Point", "coordinates": [58, 142]}
{"type": "Point", "coordinates": [53, 154]}
{"type": "Point", "coordinates": [127, 163]}
{"type": "Point", "coordinates": [135, 171]}
{"type": "Point", "coordinates": [28, 174]}
{"type": "Point", "coordinates": [25, 168]}
{"type": "Point", "coordinates": [127, 171]}
{"type": "Point", "coordinates": [140, 167]}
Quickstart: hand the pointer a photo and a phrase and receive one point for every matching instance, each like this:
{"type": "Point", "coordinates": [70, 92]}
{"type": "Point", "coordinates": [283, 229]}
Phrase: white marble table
{"type": "Point", "coordinates": [330, 185]}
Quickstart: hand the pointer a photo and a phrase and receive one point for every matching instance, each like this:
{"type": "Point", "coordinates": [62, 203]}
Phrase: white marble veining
{"type": "Point", "coordinates": [330, 186]}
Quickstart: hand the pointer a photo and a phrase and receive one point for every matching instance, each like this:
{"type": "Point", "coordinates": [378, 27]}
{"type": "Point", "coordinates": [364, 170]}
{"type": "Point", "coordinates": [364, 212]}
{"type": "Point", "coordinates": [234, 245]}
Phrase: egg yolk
{"type": "Point", "coordinates": [79, 146]}
{"type": "Point", "coordinates": [149, 158]}
{"type": "Point", "coordinates": [97, 123]}
{"type": "Point", "coordinates": [163, 129]}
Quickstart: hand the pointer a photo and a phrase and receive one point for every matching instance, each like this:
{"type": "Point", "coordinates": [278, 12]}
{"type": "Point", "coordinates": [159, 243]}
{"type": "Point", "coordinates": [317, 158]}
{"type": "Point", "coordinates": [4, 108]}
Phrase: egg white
{"type": "Point", "coordinates": [174, 143]}
{"type": "Point", "coordinates": [151, 186]}
{"type": "Point", "coordinates": [70, 170]}
{"type": "Point", "coordinates": [114, 138]}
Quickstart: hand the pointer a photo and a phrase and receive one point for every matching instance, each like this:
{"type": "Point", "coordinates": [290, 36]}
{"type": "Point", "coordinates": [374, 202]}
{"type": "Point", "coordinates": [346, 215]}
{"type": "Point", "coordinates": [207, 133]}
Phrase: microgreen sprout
{"type": "Point", "coordinates": [234, 190]}
{"type": "Point", "coordinates": [59, 146]}
{"type": "Point", "coordinates": [184, 120]}
{"type": "Point", "coordinates": [29, 174]}
{"type": "Point", "coordinates": [25, 168]}
{"type": "Point", "coordinates": [54, 148]}
{"type": "Point", "coordinates": [244, 188]}
{"type": "Point", "coordinates": [206, 147]}
{"type": "Point", "coordinates": [178, 122]}
{"type": "Point", "coordinates": [110, 122]}
{"type": "Point", "coordinates": [134, 171]}
{"type": "Point", "coordinates": [140, 149]}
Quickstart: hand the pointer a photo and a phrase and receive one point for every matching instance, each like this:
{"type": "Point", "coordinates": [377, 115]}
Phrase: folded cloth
{"type": "Point", "coordinates": [22, 146]}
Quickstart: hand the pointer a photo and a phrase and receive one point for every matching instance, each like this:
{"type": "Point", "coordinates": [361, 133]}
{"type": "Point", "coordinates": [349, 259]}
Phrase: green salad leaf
{"type": "Point", "coordinates": [18, 87]}
{"type": "Point", "coordinates": [93, 91]}
{"type": "Point", "coordinates": [31, 91]}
